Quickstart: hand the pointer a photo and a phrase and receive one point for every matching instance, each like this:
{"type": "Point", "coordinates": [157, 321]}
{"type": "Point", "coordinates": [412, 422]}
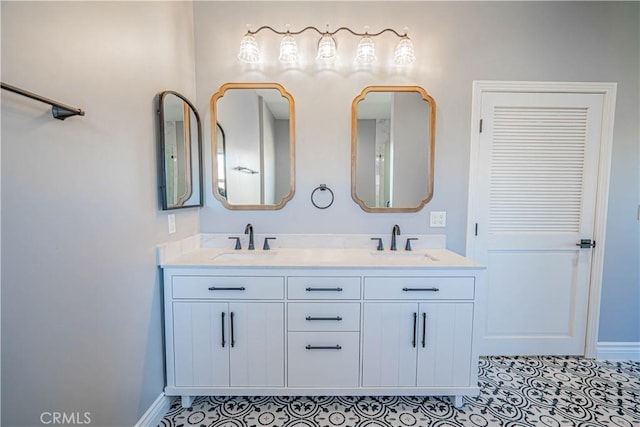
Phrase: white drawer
{"type": "Point", "coordinates": [419, 288]}
{"type": "Point", "coordinates": [324, 316]}
{"type": "Point", "coordinates": [228, 287]}
{"type": "Point", "coordinates": [323, 287]}
{"type": "Point", "coordinates": [323, 359]}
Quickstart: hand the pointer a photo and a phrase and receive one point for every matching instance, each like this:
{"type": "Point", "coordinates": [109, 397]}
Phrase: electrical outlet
{"type": "Point", "coordinates": [438, 219]}
{"type": "Point", "coordinates": [171, 219]}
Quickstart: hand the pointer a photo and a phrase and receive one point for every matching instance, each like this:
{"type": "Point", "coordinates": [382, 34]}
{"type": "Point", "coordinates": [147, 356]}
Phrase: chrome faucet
{"type": "Point", "coordinates": [249, 230]}
{"type": "Point", "coordinates": [394, 232]}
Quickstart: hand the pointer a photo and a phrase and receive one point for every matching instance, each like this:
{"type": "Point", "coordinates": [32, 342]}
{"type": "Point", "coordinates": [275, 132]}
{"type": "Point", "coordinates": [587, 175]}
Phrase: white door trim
{"type": "Point", "coordinates": [608, 90]}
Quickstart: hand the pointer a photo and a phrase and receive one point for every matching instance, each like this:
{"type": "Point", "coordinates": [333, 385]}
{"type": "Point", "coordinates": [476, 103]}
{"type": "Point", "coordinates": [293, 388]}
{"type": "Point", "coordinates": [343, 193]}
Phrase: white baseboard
{"type": "Point", "coordinates": [619, 350]}
{"type": "Point", "coordinates": [156, 412]}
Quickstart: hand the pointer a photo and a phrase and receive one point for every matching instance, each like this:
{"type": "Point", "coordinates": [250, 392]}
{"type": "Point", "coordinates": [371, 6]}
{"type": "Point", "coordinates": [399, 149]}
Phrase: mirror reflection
{"type": "Point", "coordinates": [253, 143]}
{"type": "Point", "coordinates": [222, 189]}
{"type": "Point", "coordinates": [392, 148]}
{"type": "Point", "coordinates": [180, 152]}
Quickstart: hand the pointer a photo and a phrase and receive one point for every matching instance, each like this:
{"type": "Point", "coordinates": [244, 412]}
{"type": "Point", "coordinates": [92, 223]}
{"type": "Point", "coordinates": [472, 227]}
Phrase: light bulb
{"type": "Point", "coordinates": [288, 50]}
{"type": "Point", "coordinates": [404, 54]}
{"type": "Point", "coordinates": [249, 51]}
{"type": "Point", "coordinates": [366, 52]}
{"type": "Point", "coordinates": [327, 51]}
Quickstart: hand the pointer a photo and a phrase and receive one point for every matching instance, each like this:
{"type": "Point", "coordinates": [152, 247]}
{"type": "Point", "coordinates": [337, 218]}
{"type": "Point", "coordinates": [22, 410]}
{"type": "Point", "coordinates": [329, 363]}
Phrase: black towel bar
{"type": "Point", "coordinates": [58, 110]}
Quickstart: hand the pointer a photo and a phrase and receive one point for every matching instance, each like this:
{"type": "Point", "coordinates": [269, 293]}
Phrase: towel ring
{"type": "Point", "coordinates": [321, 187]}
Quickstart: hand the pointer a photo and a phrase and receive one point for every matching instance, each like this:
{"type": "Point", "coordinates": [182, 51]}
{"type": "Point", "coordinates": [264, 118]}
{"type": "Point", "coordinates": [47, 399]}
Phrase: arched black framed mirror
{"type": "Point", "coordinates": [180, 152]}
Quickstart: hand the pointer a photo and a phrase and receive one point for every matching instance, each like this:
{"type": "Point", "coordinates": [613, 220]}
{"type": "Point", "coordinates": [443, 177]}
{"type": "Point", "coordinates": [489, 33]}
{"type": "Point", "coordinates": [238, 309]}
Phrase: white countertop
{"type": "Point", "coordinates": [320, 257]}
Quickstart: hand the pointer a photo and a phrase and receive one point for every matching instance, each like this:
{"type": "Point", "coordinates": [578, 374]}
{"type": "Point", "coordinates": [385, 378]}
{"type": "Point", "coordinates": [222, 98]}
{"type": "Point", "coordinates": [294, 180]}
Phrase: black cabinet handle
{"type": "Point", "coordinates": [323, 347]}
{"type": "Point", "coordinates": [415, 326]}
{"type": "Point", "coordinates": [424, 329]}
{"type": "Point", "coordinates": [420, 289]}
{"type": "Point", "coordinates": [233, 340]}
{"type": "Point", "coordinates": [222, 315]}
{"type": "Point", "coordinates": [324, 289]}
{"type": "Point", "coordinates": [214, 288]}
{"type": "Point", "coordinates": [337, 318]}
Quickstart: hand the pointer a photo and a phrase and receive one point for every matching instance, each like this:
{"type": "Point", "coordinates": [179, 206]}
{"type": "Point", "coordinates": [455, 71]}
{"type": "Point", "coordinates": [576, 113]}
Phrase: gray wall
{"type": "Point", "coordinates": [456, 43]}
{"type": "Point", "coordinates": [81, 303]}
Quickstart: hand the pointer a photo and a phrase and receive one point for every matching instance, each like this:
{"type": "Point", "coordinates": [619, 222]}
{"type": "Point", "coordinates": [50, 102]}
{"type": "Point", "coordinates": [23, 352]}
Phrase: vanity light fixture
{"type": "Point", "coordinates": [327, 49]}
{"type": "Point", "coordinates": [288, 49]}
{"type": "Point", "coordinates": [404, 54]}
{"type": "Point", "coordinates": [249, 51]}
{"type": "Point", "coordinates": [327, 46]}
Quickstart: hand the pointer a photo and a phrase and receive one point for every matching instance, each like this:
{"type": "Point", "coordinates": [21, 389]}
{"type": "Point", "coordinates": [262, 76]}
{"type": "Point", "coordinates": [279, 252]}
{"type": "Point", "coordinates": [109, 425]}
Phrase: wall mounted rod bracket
{"type": "Point", "coordinates": [59, 110]}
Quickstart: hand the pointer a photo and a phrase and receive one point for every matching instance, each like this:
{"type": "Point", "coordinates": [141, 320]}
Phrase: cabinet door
{"type": "Point", "coordinates": [444, 344]}
{"type": "Point", "coordinates": [200, 345]}
{"type": "Point", "coordinates": [257, 344]}
{"type": "Point", "coordinates": [389, 344]}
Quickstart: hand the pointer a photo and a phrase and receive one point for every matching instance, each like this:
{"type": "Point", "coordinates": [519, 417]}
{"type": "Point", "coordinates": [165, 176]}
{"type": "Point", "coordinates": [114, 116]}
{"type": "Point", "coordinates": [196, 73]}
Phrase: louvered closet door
{"type": "Point", "coordinates": [538, 163]}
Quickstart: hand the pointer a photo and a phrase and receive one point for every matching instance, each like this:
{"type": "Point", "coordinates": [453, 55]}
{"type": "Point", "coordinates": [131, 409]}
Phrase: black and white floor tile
{"type": "Point", "coordinates": [515, 392]}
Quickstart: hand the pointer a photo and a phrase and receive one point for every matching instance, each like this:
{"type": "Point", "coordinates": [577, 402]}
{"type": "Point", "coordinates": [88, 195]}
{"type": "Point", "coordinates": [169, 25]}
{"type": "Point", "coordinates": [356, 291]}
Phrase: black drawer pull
{"type": "Point", "coordinates": [323, 347]}
{"type": "Point", "coordinates": [337, 318]}
{"type": "Point", "coordinates": [240, 288]}
{"type": "Point", "coordinates": [324, 289]}
{"type": "Point", "coordinates": [420, 289]}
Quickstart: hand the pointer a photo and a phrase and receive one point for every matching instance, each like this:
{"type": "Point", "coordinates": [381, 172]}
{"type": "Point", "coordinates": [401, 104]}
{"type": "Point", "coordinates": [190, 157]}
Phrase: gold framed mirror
{"type": "Point", "coordinates": [392, 148]}
{"type": "Point", "coordinates": [253, 146]}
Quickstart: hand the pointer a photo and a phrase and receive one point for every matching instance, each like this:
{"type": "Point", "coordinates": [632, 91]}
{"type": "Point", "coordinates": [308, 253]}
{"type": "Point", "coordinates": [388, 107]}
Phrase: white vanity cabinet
{"type": "Point", "coordinates": [222, 332]}
{"type": "Point", "coordinates": [238, 344]}
{"type": "Point", "coordinates": [321, 331]}
{"type": "Point", "coordinates": [417, 344]}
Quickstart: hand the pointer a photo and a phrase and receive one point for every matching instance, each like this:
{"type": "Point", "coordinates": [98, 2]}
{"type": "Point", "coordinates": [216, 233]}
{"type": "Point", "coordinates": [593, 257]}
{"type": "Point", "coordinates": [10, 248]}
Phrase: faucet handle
{"type": "Point", "coordinates": [265, 246]}
{"type": "Point", "coordinates": [379, 239]}
{"type": "Point", "coordinates": [238, 246]}
{"type": "Point", "coordinates": [407, 247]}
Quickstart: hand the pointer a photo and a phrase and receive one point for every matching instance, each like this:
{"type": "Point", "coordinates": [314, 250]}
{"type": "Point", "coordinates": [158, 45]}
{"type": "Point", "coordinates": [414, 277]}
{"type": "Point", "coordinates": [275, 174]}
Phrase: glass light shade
{"type": "Point", "coordinates": [327, 50]}
{"type": "Point", "coordinates": [249, 51]}
{"type": "Point", "coordinates": [404, 54]}
{"type": "Point", "coordinates": [366, 52]}
{"type": "Point", "coordinates": [288, 50]}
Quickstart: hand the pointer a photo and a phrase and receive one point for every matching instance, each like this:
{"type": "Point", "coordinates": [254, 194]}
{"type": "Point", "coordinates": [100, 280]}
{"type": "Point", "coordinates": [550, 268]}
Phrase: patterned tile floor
{"type": "Point", "coordinates": [515, 392]}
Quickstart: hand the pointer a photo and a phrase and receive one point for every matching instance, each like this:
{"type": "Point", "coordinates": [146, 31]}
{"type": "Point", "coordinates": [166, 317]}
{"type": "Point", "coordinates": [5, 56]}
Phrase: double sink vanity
{"type": "Point", "coordinates": [319, 315]}
{"type": "Point", "coordinates": [311, 314]}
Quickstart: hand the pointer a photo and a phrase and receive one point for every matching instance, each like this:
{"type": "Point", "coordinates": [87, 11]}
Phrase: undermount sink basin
{"type": "Point", "coordinates": [403, 255]}
{"type": "Point", "coordinates": [244, 255]}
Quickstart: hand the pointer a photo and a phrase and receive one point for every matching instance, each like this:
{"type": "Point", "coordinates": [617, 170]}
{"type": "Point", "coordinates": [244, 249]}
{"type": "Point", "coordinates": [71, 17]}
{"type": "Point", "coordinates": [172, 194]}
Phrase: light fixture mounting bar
{"type": "Point", "coordinates": [320, 32]}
